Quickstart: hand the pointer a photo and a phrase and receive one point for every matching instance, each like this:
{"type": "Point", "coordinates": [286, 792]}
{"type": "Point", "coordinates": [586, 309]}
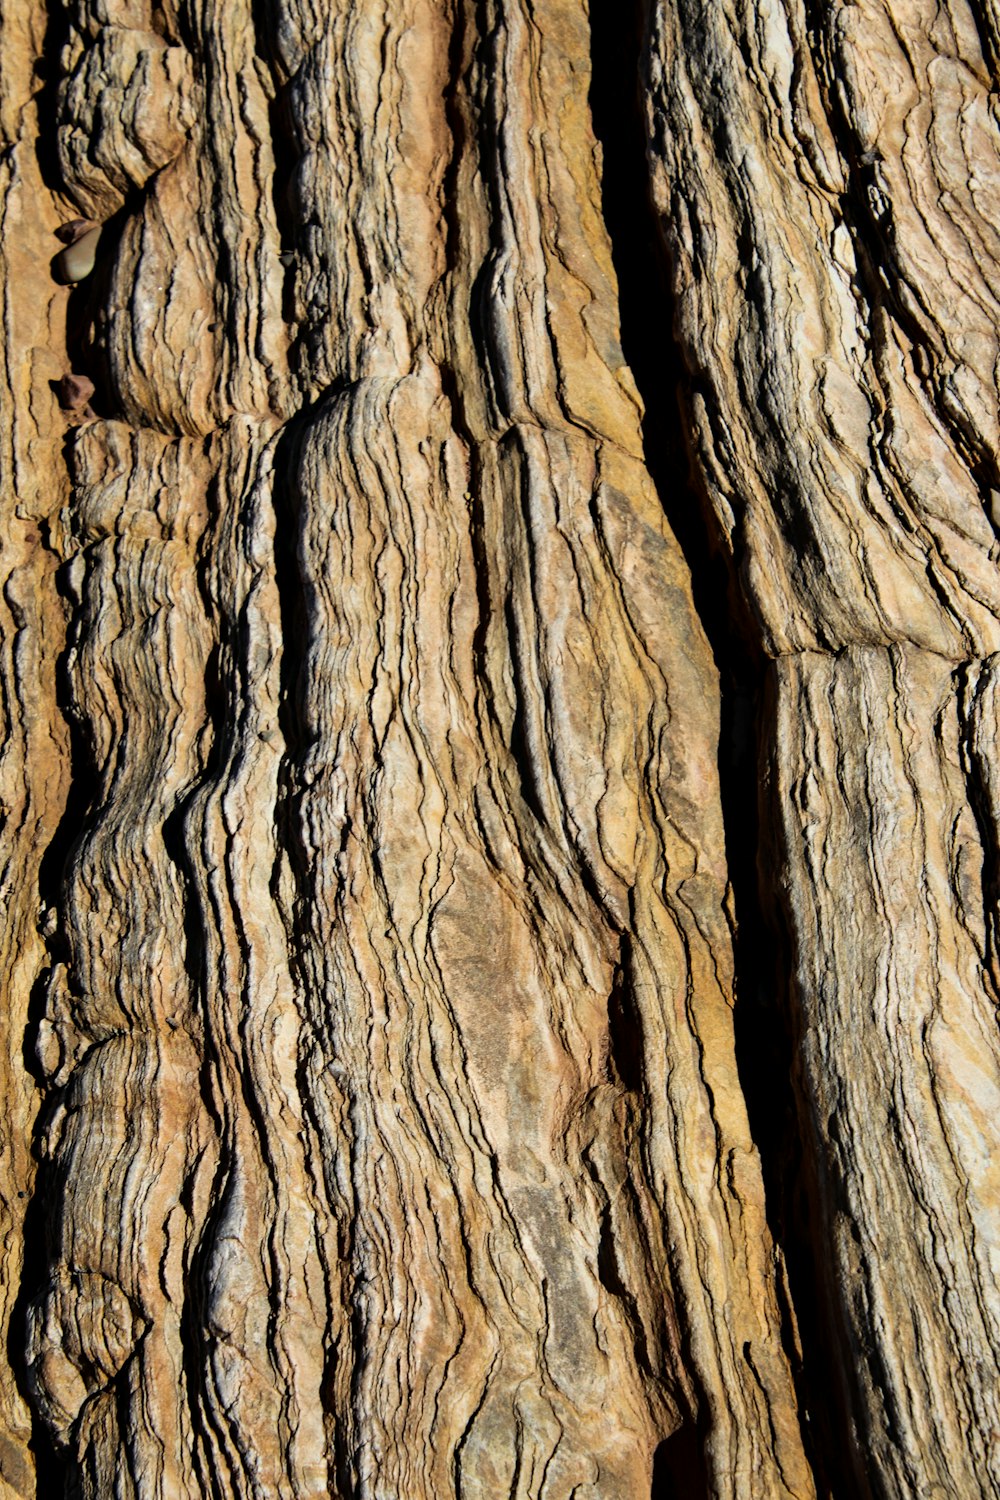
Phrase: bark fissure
{"type": "Point", "coordinates": [764, 1051]}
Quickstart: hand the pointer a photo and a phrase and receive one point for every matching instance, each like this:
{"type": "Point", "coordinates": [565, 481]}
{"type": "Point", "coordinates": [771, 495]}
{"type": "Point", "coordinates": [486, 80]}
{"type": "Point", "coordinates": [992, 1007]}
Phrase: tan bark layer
{"type": "Point", "coordinates": [826, 178]}
{"type": "Point", "coordinates": [871, 775]}
{"type": "Point", "coordinates": [34, 762]}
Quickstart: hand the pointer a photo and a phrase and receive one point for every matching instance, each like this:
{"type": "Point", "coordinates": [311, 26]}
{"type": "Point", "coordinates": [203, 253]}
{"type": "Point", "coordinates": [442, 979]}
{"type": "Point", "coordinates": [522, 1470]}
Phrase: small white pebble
{"type": "Point", "coordinates": [77, 260]}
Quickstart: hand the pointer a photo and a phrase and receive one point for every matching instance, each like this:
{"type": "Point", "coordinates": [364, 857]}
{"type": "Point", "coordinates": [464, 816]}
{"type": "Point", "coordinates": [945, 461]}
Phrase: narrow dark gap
{"type": "Point", "coordinates": [286, 155]}
{"type": "Point", "coordinates": [175, 844]}
{"type": "Point", "coordinates": [293, 606]}
{"type": "Point", "coordinates": [48, 73]}
{"type": "Point", "coordinates": [293, 614]}
{"type": "Point", "coordinates": [195, 1363]}
{"type": "Point", "coordinates": [86, 313]}
{"type": "Point", "coordinates": [624, 1024]}
{"type": "Point", "coordinates": [54, 1473]}
{"type": "Point", "coordinates": [518, 744]}
{"type": "Point", "coordinates": [52, 1469]}
{"type": "Point", "coordinates": [85, 780]}
{"type": "Point", "coordinates": [679, 1471]}
{"type": "Point", "coordinates": [611, 1279]}
{"type": "Point", "coordinates": [292, 587]}
{"type": "Point", "coordinates": [764, 1046]}
{"type": "Point", "coordinates": [977, 777]}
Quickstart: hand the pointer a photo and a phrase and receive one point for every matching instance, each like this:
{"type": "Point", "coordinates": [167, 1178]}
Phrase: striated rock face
{"type": "Point", "coordinates": [419, 1079]}
{"type": "Point", "coordinates": [831, 200]}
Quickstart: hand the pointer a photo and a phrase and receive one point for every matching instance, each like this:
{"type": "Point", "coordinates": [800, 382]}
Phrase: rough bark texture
{"type": "Point", "coordinates": [424, 1074]}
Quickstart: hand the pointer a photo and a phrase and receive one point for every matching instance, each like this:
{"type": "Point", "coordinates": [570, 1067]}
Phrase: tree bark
{"type": "Point", "coordinates": [499, 643]}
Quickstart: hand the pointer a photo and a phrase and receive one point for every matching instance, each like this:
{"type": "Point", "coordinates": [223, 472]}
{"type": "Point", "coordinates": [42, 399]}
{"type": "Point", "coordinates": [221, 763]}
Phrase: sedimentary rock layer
{"type": "Point", "coordinates": [826, 180]}
{"type": "Point", "coordinates": [372, 1122]}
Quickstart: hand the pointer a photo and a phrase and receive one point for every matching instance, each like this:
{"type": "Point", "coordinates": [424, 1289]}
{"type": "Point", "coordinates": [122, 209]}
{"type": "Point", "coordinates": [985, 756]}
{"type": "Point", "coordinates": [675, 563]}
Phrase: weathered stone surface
{"type": "Point", "coordinates": [372, 1123]}
{"type": "Point", "coordinates": [828, 193]}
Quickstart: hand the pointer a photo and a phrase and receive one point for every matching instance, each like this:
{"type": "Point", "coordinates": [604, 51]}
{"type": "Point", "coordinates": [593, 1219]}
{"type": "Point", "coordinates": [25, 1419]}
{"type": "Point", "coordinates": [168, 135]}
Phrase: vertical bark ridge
{"type": "Point", "coordinates": [34, 758]}
{"type": "Point", "coordinates": [821, 179]}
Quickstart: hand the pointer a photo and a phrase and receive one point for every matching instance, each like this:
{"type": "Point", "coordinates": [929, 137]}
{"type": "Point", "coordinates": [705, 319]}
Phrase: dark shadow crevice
{"type": "Point", "coordinates": [679, 1471]}
{"type": "Point", "coordinates": [52, 1471]}
{"type": "Point", "coordinates": [53, 1468]}
{"type": "Point", "coordinates": [764, 1044]}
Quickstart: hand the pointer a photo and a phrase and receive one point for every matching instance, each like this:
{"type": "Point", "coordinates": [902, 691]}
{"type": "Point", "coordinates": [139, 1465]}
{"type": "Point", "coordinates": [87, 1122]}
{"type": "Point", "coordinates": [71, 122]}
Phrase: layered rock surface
{"type": "Point", "coordinates": [373, 1119]}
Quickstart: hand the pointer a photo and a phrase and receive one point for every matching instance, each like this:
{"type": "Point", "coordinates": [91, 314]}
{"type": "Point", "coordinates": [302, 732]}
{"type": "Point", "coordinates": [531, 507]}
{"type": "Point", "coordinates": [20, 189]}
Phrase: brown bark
{"type": "Point", "coordinates": [402, 1024]}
